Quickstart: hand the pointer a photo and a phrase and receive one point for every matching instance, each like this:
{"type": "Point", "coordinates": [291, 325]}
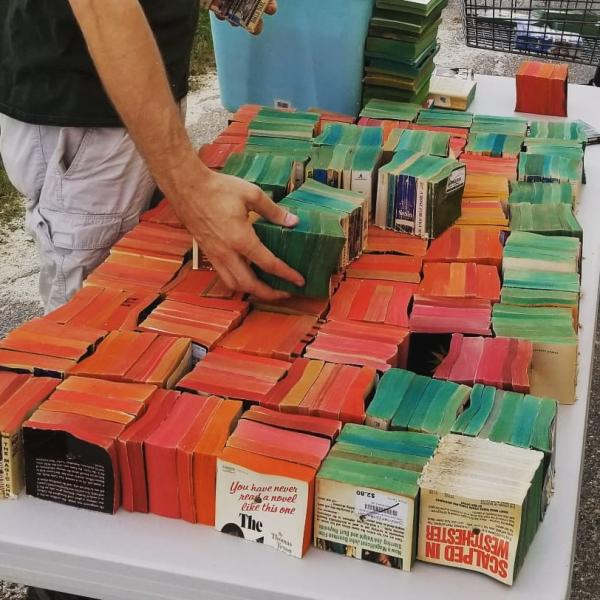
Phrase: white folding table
{"type": "Point", "coordinates": [134, 556]}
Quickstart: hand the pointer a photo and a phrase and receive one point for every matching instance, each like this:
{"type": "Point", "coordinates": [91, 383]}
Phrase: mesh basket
{"type": "Point", "coordinates": [567, 30]}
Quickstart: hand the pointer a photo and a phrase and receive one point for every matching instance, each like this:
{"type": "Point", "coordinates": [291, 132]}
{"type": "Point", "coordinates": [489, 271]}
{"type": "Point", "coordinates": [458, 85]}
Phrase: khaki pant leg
{"type": "Point", "coordinates": [95, 187]}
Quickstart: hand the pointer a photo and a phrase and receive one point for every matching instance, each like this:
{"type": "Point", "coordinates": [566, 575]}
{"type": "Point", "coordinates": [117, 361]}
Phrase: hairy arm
{"type": "Point", "coordinates": [214, 207]}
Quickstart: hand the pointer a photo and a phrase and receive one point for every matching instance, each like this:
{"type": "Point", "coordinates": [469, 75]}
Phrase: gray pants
{"type": "Point", "coordinates": [84, 189]}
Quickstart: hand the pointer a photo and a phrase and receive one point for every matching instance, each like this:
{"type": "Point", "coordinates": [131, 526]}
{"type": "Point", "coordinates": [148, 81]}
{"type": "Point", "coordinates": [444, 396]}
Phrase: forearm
{"type": "Point", "coordinates": [130, 66]}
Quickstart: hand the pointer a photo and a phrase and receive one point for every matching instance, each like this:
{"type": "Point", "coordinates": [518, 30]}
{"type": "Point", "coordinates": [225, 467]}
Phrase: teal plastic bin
{"type": "Point", "coordinates": [310, 53]}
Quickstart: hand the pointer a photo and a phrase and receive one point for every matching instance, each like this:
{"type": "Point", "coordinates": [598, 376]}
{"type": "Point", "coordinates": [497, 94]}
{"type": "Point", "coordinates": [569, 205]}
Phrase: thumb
{"type": "Point", "coordinates": [266, 208]}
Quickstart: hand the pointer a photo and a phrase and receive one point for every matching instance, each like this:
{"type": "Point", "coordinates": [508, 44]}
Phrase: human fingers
{"type": "Point", "coordinates": [274, 213]}
{"type": "Point", "coordinates": [271, 8]}
{"type": "Point", "coordinates": [246, 280]}
{"type": "Point", "coordinates": [263, 258]}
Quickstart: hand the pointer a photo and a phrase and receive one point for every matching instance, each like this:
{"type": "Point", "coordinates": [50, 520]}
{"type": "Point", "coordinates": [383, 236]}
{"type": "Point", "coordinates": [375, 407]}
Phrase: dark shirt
{"type": "Point", "coordinates": [46, 73]}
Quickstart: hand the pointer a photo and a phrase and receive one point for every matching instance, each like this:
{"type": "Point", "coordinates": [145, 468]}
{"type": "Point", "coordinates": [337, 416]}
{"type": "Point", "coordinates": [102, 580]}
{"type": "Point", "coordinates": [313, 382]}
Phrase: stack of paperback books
{"type": "Point", "coordinates": [481, 506]}
{"type": "Point", "coordinates": [43, 347]}
{"type": "Point", "coordinates": [70, 441]}
{"type": "Point", "coordinates": [501, 362]}
{"type": "Point", "coordinates": [20, 396]}
{"type": "Point", "coordinates": [145, 259]}
{"type": "Point", "coordinates": [467, 244]}
{"type": "Point", "coordinates": [400, 49]}
{"type": "Point", "coordinates": [516, 419]}
{"type": "Point", "coordinates": [104, 308]}
{"type": "Point", "coordinates": [367, 496]}
{"type": "Point", "coordinates": [266, 483]}
{"type": "Point", "coordinates": [546, 219]}
{"type": "Point", "coordinates": [405, 401]}
{"type": "Point", "coordinates": [132, 357]}
{"type": "Point", "coordinates": [181, 456]}
{"type": "Point", "coordinates": [317, 388]}
{"type": "Point", "coordinates": [419, 194]}
{"type": "Point", "coordinates": [236, 375]}
{"type": "Point", "coordinates": [548, 266]}
{"type": "Point", "coordinates": [554, 337]}
{"type": "Point", "coordinates": [374, 345]}
{"type": "Point", "coordinates": [270, 172]}
{"type": "Point", "coordinates": [271, 334]}
{"type": "Point", "coordinates": [540, 193]}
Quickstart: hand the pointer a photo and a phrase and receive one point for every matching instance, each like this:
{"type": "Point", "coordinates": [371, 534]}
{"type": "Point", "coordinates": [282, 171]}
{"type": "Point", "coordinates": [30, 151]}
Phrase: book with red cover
{"type": "Point", "coordinates": [467, 244]}
{"type": "Point", "coordinates": [133, 357]}
{"type": "Point", "coordinates": [432, 314]}
{"type": "Point", "coordinates": [504, 363]}
{"type": "Point", "coordinates": [372, 301]}
{"type": "Point", "coordinates": [148, 274]}
{"type": "Point", "coordinates": [313, 387]}
{"type": "Point", "coordinates": [321, 426]}
{"type": "Point", "coordinates": [70, 442]}
{"type": "Point", "coordinates": [235, 375]}
{"type": "Point", "coordinates": [460, 280]}
{"type": "Point", "coordinates": [216, 155]}
{"type": "Point", "coordinates": [388, 267]}
{"type": "Point", "coordinates": [161, 453]}
{"type": "Point", "coordinates": [104, 308]}
{"type": "Point", "coordinates": [542, 88]}
{"type": "Point", "coordinates": [201, 287]}
{"type": "Point", "coordinates": [162, 214]}
{"type": "Point", "coordinates": [386, 241]}
{"type": "Point", "coordinates": [363, 344]}
{"type": "Point", "coordinates": [130, 449]}
{"type": "Point", "coordinates": [273, 335]}
{"type": "Point", "coordinates": [41, 346]}
{"type": "Point", "coordinates": [153, 241]}
{"type": "Point", "coordinates": [205, 325]}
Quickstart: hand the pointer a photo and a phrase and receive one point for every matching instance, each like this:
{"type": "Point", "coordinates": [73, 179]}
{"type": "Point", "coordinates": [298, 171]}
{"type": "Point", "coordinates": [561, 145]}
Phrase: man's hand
{"type": "Point", "coordinates": [270, 10]}
{"type": "Point", "coordinates": [213, 207]}
{"type": "Point", "coordinates": [228, 239]}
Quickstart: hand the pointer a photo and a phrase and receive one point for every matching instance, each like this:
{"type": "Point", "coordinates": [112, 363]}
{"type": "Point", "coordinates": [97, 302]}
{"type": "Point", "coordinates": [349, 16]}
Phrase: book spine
{"type": "Point", "coordinates": [421, 193]}
{"type": "Point", "coordinates": [382, 200]}
{"type": "Point", "coordinates": [10, 472]}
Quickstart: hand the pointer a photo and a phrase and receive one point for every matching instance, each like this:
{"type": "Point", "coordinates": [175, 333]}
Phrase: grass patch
{"type": "Point", "coordinates": [203, 56]}
{"type": "Point", "coordinates": [12, 207]}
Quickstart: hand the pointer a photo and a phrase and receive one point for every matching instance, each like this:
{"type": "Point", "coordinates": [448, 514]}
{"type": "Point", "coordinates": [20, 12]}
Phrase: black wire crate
{"type": "Point", "coordinates": [566, 30]}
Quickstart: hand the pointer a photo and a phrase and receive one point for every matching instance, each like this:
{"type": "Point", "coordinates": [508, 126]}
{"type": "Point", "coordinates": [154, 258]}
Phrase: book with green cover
{"type": "Point", "coordinates": [349, 135]}
{"type": "Point", "coordinates": [395, 94]}
{"type": "Point", "coordinates": [552, 167]}
{"type": "Point", "coordinates": [396, 20]}
{"type": "Point", "coordinates": [272, 173]}
{"type": "Point", "coordinates": [541, 280]}
{"type": "Point", "coordinates": [297, 150]}
{"type": "Point", "coordinates": [419, 194]}
{"type": "Point", "coordinates": [495, 124]}
{"type": "Point", "coordinates": [494, 144]}
{"type": "Point", "coordinates": [312, 248]}
{"type": "Point", "coordinates": [546, 219]}
{"type": "Point", "coordinates": [525, 251]}
{"type": "Point", "coordinates": [445, 118]}
{"type": "Point", "coordinates": [540, 298]}
{"type": "Point", "coordinates": [558, 131]}
{"type": "Point", "coordinates": [405, 401]}
{"type": "Point", "coordinates": [427, 142]}
{"type": "Point", "coordinates": [540, 193]}
{"type": "Point", "coordinates": [387, 109]}
{"type": "Point", "coordinates": [352, 208]}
